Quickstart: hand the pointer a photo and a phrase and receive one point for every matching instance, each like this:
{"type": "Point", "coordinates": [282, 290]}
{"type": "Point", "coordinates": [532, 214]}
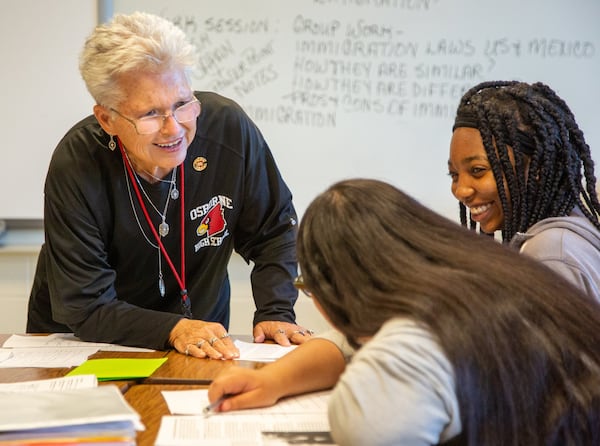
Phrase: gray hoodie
{"type": "Point", "coordinates": [569, 245]}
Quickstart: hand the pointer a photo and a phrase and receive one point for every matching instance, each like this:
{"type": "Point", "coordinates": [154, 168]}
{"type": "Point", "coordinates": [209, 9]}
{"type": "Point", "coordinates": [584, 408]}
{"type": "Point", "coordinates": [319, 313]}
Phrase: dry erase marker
{"type": "Point", "coordinates": [212, 406]}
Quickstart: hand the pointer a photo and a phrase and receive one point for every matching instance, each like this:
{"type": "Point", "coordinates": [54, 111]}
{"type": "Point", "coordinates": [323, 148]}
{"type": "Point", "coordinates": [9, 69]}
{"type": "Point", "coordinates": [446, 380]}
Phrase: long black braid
{"type": "Point", "coordinates": [552, 169]}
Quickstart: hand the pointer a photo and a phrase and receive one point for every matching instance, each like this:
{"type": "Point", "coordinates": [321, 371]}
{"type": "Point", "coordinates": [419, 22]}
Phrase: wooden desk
{"type": "Point", "coordinates": [182, 369]}
{"type": "Point", "coordinates": [179, 372]}
{"type": "Point", "coordinates": [178, 369]}
{"type": "Point", "coordinates": [148, 401]}
{"type": "Point", "coordinates": [18, 374]}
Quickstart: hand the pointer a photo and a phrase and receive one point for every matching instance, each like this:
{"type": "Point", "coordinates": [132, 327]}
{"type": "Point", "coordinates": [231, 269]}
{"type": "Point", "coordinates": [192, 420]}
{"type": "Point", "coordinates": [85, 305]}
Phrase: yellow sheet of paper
{"type": "Point", "coordinates": [118, 368]}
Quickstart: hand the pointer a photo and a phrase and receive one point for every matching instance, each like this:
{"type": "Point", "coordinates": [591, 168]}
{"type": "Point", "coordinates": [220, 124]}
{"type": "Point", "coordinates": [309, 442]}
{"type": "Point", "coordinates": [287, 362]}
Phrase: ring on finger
{"type": "Point", "coordinates": [226, 335]}
{"type": "Point", "coordinates": [300, 332]}
{"type": "Point", "coordinates": [213, 340]}
{"type": "Point", "coordinates": [200, 342]}
{"type": "Point", "coordinates": [310, 332]}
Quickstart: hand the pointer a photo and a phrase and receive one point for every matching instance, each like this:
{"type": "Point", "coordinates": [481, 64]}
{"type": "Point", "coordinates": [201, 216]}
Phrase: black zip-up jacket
{"type": "Point", "coordinates": [97, 274]}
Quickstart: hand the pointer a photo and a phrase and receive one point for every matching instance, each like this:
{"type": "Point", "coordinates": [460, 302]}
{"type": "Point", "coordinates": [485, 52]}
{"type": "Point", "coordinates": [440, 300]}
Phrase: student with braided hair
{"type": "Point", "coordinates": [519, 164]}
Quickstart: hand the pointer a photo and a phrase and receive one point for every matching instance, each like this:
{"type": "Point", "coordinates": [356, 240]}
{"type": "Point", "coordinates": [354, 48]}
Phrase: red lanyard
{"type": "Point", "coordinates": [185, 301]}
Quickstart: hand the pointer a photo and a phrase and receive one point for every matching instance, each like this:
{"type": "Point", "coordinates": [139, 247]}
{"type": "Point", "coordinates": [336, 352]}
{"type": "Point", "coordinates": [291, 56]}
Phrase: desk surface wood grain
{"type": "Point", "coordinates": [182, 369]}
{"type": "Point", "coordinates": [148, 401]}
{"type": "Point", "coordinates": [19, 374]}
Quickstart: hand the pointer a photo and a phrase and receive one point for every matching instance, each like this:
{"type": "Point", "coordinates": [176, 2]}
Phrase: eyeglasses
{"type": "Point", "coordinates": [147, 125]}
{"type": "Point", "coordinates": [299, 284]}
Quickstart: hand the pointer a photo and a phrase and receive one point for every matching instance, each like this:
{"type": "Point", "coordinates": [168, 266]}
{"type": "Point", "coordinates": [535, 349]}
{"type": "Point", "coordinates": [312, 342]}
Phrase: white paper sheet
{"type": "Point", "coordinates": [193, 402]}
{"type": "Point", "coordinates": [260, 352]}
{"type": "Point", "coordinates": [280, 424]}
{"type": "Point", "coordinates": [53, 384]}
{"type": "Point", "coordinates": [49, 357]}
{"type": "Point", "coordinates": [64, 340]}
{"type": "Point", "coordinates": [241, 430]}
{"type": "Point", "coordinates": [54, 350]}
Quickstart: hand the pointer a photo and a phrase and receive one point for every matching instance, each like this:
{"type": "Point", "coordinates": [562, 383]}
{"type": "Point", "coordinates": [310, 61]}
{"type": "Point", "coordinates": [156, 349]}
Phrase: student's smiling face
{"type": "Point", "coordinates": [473, 182]}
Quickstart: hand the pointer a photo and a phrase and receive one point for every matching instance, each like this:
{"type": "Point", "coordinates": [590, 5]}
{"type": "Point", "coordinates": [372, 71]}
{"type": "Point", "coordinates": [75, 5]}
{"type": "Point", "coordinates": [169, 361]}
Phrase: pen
{"type": "Point", "coordinates": [212, 406]}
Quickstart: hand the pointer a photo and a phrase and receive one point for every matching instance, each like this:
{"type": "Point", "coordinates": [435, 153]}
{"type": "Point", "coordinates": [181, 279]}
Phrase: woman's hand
{"type": "Point", "coordinates": [283, 333]}
{"type": "Point", "coordinates": [203, 340]}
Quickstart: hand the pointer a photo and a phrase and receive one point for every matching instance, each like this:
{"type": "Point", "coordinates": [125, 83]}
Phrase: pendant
{"type": "Point", "coordinates": [163, 229]}
{"type": "Point", "coordinates": [174, 193]}
{"type": "Point", "coordinates": [161, 286]}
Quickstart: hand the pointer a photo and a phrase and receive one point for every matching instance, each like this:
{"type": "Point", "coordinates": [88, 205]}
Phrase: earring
{"type": "Point", "coordinates": [112, 145]}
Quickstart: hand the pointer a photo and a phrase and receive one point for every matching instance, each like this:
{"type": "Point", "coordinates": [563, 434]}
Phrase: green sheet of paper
{"type": "Point", "coordinates": [118, 368]}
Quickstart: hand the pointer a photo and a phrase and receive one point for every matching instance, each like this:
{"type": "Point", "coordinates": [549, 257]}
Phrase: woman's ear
{"type": "Point", "coordinates": [104, 117]}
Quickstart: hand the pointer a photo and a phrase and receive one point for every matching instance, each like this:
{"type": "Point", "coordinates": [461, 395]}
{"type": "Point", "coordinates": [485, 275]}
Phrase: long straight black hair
{"type": "Point", "coordinates": [523, 342]}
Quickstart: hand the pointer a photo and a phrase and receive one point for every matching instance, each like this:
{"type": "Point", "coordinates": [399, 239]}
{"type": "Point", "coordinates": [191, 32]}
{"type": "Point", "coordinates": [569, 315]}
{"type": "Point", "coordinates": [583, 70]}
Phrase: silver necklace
{"type": "Point", "coordinates": [173, 188]}
{"type": "Point", "coordinates": [163, 227]}
{"type": "Point", "coordinates": [161, 282]}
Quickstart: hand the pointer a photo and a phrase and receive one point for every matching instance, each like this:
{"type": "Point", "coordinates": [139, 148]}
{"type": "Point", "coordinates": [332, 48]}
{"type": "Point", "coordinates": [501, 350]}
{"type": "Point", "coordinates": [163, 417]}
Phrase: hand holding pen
{"type": "Point", "coordinates": [240, 388]}
{"type": "Point", "coordinates": [212, 407]}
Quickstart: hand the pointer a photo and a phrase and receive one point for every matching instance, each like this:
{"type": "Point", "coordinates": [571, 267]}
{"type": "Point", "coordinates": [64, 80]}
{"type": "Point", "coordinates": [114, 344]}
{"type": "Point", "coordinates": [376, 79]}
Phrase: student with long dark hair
{"type": "Point", "coordinates": [452, 336]}
{"type": "Point", "coordinates": [520, 165]}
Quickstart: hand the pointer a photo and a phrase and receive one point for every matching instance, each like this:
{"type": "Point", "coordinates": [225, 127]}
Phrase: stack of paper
{"type": "Point", "coordinates": [94, 415]}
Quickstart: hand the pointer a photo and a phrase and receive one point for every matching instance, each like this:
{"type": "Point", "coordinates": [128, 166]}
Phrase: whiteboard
{"type": "Point", "coordinates": [42, 93]}
{"type": "Point", "coordinates": [345, 88]}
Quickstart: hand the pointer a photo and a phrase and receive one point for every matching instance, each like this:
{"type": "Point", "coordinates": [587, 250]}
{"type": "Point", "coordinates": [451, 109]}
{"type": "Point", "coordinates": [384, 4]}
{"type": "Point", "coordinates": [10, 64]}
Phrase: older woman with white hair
{"type": "Point", "coordinates": [146, 200]}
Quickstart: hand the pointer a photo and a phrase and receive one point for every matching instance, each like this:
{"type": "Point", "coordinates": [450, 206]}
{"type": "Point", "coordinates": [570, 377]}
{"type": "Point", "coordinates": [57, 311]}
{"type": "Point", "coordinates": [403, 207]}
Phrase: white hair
{"type": "Point", "coordinates": [135, 42]}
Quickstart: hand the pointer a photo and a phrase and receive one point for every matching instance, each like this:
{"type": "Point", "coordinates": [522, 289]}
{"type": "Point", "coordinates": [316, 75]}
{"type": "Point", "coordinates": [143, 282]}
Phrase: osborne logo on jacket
{"type": "Point", "coordinates": [213, 226]}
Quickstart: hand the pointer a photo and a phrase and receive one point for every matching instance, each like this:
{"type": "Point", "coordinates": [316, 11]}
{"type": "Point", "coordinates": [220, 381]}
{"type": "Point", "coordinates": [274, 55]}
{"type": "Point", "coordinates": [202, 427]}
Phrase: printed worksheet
{"type": "Point", "coordinates": [63, 340]}
{"type": "Point", "coordinates": [299, 420]}
{"type": "Point", "coordinates": [193, 402]}
{"type": "Point", "coordinates": [52, 384]}
{"type": "Point", "coordinates": [45, 357]}
{"type": "Point", "coordinates": [244, 430]}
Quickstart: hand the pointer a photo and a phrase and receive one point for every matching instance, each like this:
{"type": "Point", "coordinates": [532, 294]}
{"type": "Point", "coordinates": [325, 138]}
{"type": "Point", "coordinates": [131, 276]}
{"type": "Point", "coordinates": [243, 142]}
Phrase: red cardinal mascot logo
{"type": "Point", "coordinates": [213, 222]}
